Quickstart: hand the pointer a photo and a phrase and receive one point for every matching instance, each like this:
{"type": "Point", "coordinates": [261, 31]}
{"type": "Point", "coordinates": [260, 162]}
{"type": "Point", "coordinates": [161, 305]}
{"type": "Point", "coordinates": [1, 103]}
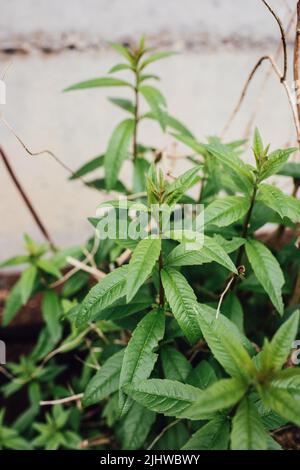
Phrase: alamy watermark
{"type": "Point", "coordinates": [127, 220]}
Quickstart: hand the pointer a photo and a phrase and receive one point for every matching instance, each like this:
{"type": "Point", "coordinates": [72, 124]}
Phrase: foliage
{"type": "Point", "coordinates": [157, 349]}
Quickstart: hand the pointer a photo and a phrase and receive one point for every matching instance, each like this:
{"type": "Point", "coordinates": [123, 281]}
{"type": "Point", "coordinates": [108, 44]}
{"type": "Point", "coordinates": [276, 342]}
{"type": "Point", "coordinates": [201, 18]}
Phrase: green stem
{"type": "Point", "coordinates": [136, 115]}
{"type": "Point", "coordinates": [246, 225]}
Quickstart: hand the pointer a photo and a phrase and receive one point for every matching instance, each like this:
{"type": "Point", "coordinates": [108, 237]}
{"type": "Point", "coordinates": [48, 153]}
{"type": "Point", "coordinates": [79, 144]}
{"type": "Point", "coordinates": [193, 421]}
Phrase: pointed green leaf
{"type": "Point", "coordinates": [226, 211]}
{"type": "Point", "coordinates": [275, 354]}
{"type": "Point", "coordinates": [88, 167]}
{"type": "Point", "coordinates": [155, 57]}
{"type": "Point", "coordinates": [225, 342]}
{"type": "Point", "coordinates": [285, 206]}
{"type": "Point", "coordinates": [98, 82]}
{"type": "Point", "coordinates": [175, 365]}
{"type": "Point", "coordinates": [211, 250]}
{"type": "Point", "coordinates": [248, 432]}
{"type": "Point", "coordinates": [182, 301]}
{"type": "Point", "coordinates": [139, 358]}
{"type": "Point", "coordinates": [274, 162]}
{"type": "Point", "coordinates": [117, 151]}
{"type": "Point", "coordinates": [27, 282]}
{"type": "Point", "coordinates": [267, 270]}
{"type": "Point", "coordinates": [156, 102]}
{"type": "Point", "coordinates": [179, 187]}
{"type": "Point", "coordinates": [106, 380]}
{"type": "Point", "coordinates": [136, 427]}
{"type": "Point", "coordinates": [52, 310]}
{"type": "Point", "coordinates": [103, 295]}
{"type": "Point", "coordinates": [13, 303]}
{"type": "Point", "coordinates": [212, 436]}
{"type": "Point", "coordinates": [141, 264]}
{"type": "Point", "coordinates": [242, 172]}
{"type": "Point", "coordinates": [168, 397]}
{"type": "Point", "coordinates": [282, 402]}
{"type": "Point", "coordinates": [202, 375]}
{"type": "Point", "coordinates": [222, 394]}
{"type": "Point", "coordinates": [123, 103]}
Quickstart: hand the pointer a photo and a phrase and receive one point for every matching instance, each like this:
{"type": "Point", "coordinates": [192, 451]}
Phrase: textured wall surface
{"type": "Point", "coordinates": [54, 43]}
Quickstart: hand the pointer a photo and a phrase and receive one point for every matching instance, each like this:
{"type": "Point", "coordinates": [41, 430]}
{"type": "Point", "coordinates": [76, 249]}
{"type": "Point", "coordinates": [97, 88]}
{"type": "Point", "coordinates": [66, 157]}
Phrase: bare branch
{"type": "Point", "coordinates": [246, 86]}
{"type": "Point", "coordinates": [283, 40]}
{"type": "Point", "coordinates": [60, 401]}
{"type": "Point", "coordinates": [84, 267]}
{"type": "Point", "coordinates": [26, 199]}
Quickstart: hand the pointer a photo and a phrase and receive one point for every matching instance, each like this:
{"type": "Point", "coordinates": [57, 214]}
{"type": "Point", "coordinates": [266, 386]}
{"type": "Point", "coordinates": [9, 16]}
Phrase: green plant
{"type": "Point", "coordinates": [176, 338]}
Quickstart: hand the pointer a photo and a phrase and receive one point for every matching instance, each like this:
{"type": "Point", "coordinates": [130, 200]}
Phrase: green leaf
{"type": "Point", "coordinates": [292, 209]}
{"type": "Point", "coordinates": [225, 342]}
{"type": "Point", "coordinates": [52, 310]}
{"type": "Point", "coordinates": [291, 169]}
{"type": "Point", "coordinates": [289, 380]}
{"type": "Point", "coordinates": [258, 147]}
{"type": "Point", "coordinates": [243, 175]}
{"type": "Point", "coordinates": [119, 67]}
{"type": "Point", "coordinates": [248, 432]}
{"type": "Point", "coordinates": [212, 436]}
{"type": "Point", "coordinates": [173, 123]}
{"type": "Point", "coordinates": [202, 375]}
{"type": "Point", "coordinates": [88, 167]}
{"type": "Point", "coordinates": [27, 282]}
{"type": "Point", "coordinates": [274, 162]}
{"type": "Point", "coordinates": [282, 402]}
{"type": "Point", "coordinates": [13, 303]}
{"type": "Point", "coordinates": [103, 295]}
{"type": "Point", "coordinates": [122, 50]}
{"type": "Point", "coordinates": [98, 82]}
{"type": "Point", "coordinates": [136, 427]}
{"type": "Point", "coordinates": [141, 264]}
{"type": "Point", "coordinates": [117, 151]}
{"type": "Point", "coordinates": [141, 167]}
{"type": "Point", "coordinates": [106, 380]}
{"type": "Point", "coordinates": [168, 397]}
{"type": "Point", "coordinates": [191, 142]}
{"type": "Point", "coordinates": [183, 255]}
{"type": "Point", "coordinates": [15, 261]}
{"type": "Point", "coordinates": [226, 211]}
{"type": "Point", "coordinates": [222, 394]}
{"type": "Point", "coordinates": [48, 267]}
{"type": "Point", "coordinates": [285, 206]}
{"type": "Point", "coordinates": [232, 309]}
{"type": "Point", "coordinates": [181, 185]}
{"type": "Point", "coordinates": [123, 103]}
{"type": "Point", "coordinates": [267, 270]}
{"type": "Point", "coordinates": [155, 57]}
{"type": "Point", "coordinates": [139, 358]}
{"type": "Point", "coordinates": [182, 301]}
{"type": "Point", "coordinates": [156, 102]}
{"type": "Point", "coordinates": [276, 352]}
{"type": "Point", "coordinates": [175, 365]}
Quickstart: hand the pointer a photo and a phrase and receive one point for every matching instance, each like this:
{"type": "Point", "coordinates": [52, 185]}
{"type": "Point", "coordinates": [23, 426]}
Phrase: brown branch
{"type": "Point", "coordinates": [264, 83]}
{"type": "Point", "coordinates": [246, 86]}
{"type": "Point", "coordinates": [295, 298]}
{"type": "Point", "coordinates": [26, 199]}
{"type": "Point", "coordinates": [283, 40]}
{"type": "Point", "coordinates": [296, 62]}
{"type": "Point", "coordinates": [60, 401]}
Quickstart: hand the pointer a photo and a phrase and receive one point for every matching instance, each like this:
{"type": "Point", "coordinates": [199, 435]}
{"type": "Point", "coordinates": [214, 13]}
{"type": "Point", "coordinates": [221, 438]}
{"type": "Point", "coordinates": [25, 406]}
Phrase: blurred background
{"type": "Point", "coordinates": [50, 44]}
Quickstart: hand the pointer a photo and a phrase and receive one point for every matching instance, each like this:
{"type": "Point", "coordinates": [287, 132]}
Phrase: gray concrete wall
{"type": "Point", "coordinates": [54, 43]}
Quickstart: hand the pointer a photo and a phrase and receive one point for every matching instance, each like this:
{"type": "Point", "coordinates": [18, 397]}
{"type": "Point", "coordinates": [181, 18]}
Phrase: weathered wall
{"type": "Point", "coordinates": [54, 43]}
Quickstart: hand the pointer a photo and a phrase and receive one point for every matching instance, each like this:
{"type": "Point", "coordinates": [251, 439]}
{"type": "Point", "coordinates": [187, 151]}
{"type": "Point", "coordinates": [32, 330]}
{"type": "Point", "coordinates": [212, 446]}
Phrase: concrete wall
{"type": "Point", "coordinates": [54, 43]}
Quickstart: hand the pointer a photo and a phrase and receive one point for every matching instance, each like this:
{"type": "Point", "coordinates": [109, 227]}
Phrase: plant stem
{"type": "Point", "coordinates": [26, 199]}
{"type": "Point", "coordinates": [246, 225]}
{"type": "Point", "coordinates": [136, 115]}
{"type": "Point", "coordinates": [161, 287]}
